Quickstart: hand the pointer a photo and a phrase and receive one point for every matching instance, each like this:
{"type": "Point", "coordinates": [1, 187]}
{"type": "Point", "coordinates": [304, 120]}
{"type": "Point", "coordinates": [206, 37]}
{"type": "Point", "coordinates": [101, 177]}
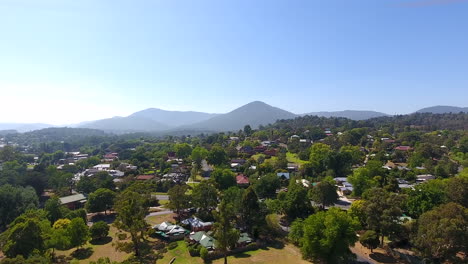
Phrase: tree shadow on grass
{"type": "Point", "coordinates": [276, 244]}
{"type": "Point", "coordinates": [82, 253]}
{"type": "Point", "coordinates": [382, 258]}
{"type": "Point", "coordinates": [101, 241]}
{"type": "Point", "coordinates": [242, 255]}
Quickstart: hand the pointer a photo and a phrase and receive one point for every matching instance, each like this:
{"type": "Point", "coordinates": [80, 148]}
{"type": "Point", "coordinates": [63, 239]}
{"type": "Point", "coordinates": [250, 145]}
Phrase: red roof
{"type": "Point", "coordinates": [144, 177]}
{"type": "Point", "coordinates": [242, 179]}
{"type": "Point", "coordinates": [403, 148]}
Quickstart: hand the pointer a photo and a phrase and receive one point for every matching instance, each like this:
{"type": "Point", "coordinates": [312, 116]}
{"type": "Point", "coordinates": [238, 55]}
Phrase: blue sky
{"type": "Point", "coordinates": [65, 61]}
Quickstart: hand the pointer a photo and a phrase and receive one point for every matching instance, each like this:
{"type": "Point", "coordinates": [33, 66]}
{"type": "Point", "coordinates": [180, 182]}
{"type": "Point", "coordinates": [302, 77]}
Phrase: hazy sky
{"type": "Point", "coordinates": [65, 61]}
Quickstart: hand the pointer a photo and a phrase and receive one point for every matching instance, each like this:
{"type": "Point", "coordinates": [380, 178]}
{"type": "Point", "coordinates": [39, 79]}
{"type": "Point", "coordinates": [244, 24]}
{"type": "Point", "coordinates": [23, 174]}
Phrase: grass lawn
{"type": "Point", "coordinates": [157, 219]}
{"type": "Point", "coordinates": [271, 160]}
{"type": "Point", "coordinates": [181, 254]}
{"type": "Point", "coordinates": [97, 251]}
{"type": "Point", "coordinates": [163, 202]}
{"type": "Point", "coordinates": [291, 157]}
{"type": "Point", "coordinates": [287, 254]}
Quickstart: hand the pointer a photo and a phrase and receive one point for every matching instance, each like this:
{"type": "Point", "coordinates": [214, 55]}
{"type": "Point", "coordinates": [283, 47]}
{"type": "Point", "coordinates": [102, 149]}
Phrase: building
{"type": "Point", "coordinates": [144, 177]}
{"type": "Point", "coordinates": [242, 180]}
{"type": "Point", "coordinates": [203, 239]}
{"type": "Point", "coordinates": [74, 201]}
{"type": "Point", "coordinates": [169, 231]}
{"type": "Point", "coordinates": [196, 224]}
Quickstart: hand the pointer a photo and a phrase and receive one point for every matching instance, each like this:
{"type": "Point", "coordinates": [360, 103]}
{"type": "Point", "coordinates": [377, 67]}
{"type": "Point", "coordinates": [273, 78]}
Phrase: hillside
{"type": "Point", "coordinates": [351, 114]}
{"type": "Point", "coordinates": [173, 118]}
{"type": "Point", "coordinates": [253, 114]}
{"type": "Point", "coordinates": [442, 109]}
{"type": "Point", "coordinates": [126, 125]}
{"type": "Point", "coordinates": [23, 127]}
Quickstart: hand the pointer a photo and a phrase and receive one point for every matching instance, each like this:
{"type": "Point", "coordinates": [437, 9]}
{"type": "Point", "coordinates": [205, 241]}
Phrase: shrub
{"type": "Point", "coordinates": [172, 245]}
{"type": "Point", "coordinates": [204, 253]}
{"type": "Point", "coordinates": [99, 230]}
{"type": "Point", "coordinates": [194, 250]}
{"type": "Point", "coordinates": [122, 236]}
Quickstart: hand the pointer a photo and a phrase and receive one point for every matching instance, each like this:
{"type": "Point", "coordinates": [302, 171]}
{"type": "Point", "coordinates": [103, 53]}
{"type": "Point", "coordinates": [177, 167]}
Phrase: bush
{"type": "Point", "coordinates": [99, 230]}
{"type": "Point", "coordinates": [172, 245]}
{"type": "Point", "coordinates": [194, 250]}
{"type": "Point", "coordinates": [204, 253]}
{"type": "Point", "coordinates": [122, 236]}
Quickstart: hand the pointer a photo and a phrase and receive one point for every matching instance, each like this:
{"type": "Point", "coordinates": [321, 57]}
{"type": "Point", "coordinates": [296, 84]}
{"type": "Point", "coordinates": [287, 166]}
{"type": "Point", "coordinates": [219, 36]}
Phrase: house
{"type": "Point", "coordinates": [144, 177]}
{"type": "Point", "coordinates": [403, 148]}
{"type": "Point", "coordinates": [293, 167]}
{"type": "Point", "coordinates": [206, 169]}
{"type": "Point", "coordinates": [196, 224]}
{"type": "Point", "coordinates": [74, 201]}
{"type": "Point", "coordinates": [260, 149]}
{"type": "Point", "coordinates": [270, 152]}
{"type": "Point", "coordinates": [424, 177]}
{"type": "Point", "coordinates": [111, 157]}
{"type": "Point", "coordinates": [203, 239]}
{"type": "Point", "coordinates": [243, 240]}
{"type": "Point", "coordinates": [116, 173]}
{"type": "Point", "coordinates": [169, 231]}
{"type": "Point", "coordinates": [242, 180]}
{"type": "Point", "coordinates": [283, 174]}
{"type": "Point", "coordinates": [102, 167]}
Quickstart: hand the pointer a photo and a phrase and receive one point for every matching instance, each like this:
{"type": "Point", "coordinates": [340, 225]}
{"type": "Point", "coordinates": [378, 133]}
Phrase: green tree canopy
{"type": "Point", "coordinates": [100, 200]}
{"type": "Point", "coordinates": [328, 236]}
{"type": "Point", "coordinates": [442, 232]}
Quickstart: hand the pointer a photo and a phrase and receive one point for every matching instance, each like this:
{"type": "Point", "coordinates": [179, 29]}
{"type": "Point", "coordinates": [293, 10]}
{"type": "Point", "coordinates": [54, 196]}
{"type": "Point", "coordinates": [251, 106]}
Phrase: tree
{"type": "Point", "coordinates": [78, 231]}
{"type": "Point", "coordinates": [370, 239]}
{"type": "Point", "coordinates": [324, 193]}
{"type": "Point", "coordinates": [267, 185]}
{"type": "Point", "coordinates": [328, 236]}
{"type": "Point", "coordinates": [233, 196]}
{"type": "Point", "coordinates": [224, 233]}
{"type": "Point", "coordinates": [217, 156]}
{"type": "Point", "coordinates": [131, 208]}
{"type": "Point", "coordinates": [251, 213]}
{"type": "Point", "coordinates": [457, 190]}
{"type": "Point", "coordinates": [383, 210]}
{"type": "Point", "coordinates": [442, 232]}
{"type": "Point", "coordinates": [100, 200]}
{"type": "Point", "coordinates": [361, 181]}
{"type": "Point", "coordinates": [425, 196]}
{"type": "Point", "coordinates": [205, 197]}
{"type": "Point", "coordinates": [296, 232]}
{"type": "Point", "coordinates": [23, 238]}
{"type": "Point", "coordinates": [198, 155]}
{"type": "Point", "coordinates": [318, 156]}
{"type": "Point", "coordinates": [53, 207]}
{"type": "Point", "coordinates": [60, 237]}
{"type": "Point", "coordinates": [247, 130]}
{"type": "Point", "coordinates": [26, 234]}
{"type": "Point", "coordinates": [14, 201]}
{"type": "Point", "coordinates": [99, 230]}
{"type": "Point", "coordinates": [225, 178]}
{"type": "Point", "coordinates": [178, 198]}
{"type": "Point", "coordinates": [295, 203]}
{"type": "Point", "coordinates": [183, 150]}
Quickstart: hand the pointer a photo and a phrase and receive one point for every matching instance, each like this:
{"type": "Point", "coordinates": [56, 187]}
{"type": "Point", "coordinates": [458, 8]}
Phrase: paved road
{"type": "Point", "coordinates": [363, 257]}
{"type": "Point", "coordinates": [160, 213]}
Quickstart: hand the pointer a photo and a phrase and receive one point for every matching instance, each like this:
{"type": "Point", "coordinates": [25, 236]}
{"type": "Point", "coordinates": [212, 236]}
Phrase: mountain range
{"type": "Point", "coordinates": [254, 114]}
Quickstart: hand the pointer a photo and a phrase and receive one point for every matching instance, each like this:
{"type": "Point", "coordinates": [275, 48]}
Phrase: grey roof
{"type": "Point", "coordinates": [72, 198]}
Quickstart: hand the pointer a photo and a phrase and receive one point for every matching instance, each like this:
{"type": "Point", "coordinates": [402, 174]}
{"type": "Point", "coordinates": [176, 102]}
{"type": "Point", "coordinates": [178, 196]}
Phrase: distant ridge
{"type": "Point", "coordinates": [173, 118]}
{"type": "Point", "coordinates": [254, 114]}
{"type": "Point", "coordinates": [351, 114]}
{"type": "Point", "coordinates": [443, 109]}
{"type": "Point", "coordinates": [23, 127]}
{"type": "Point", "coordinates": [126, 125]}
